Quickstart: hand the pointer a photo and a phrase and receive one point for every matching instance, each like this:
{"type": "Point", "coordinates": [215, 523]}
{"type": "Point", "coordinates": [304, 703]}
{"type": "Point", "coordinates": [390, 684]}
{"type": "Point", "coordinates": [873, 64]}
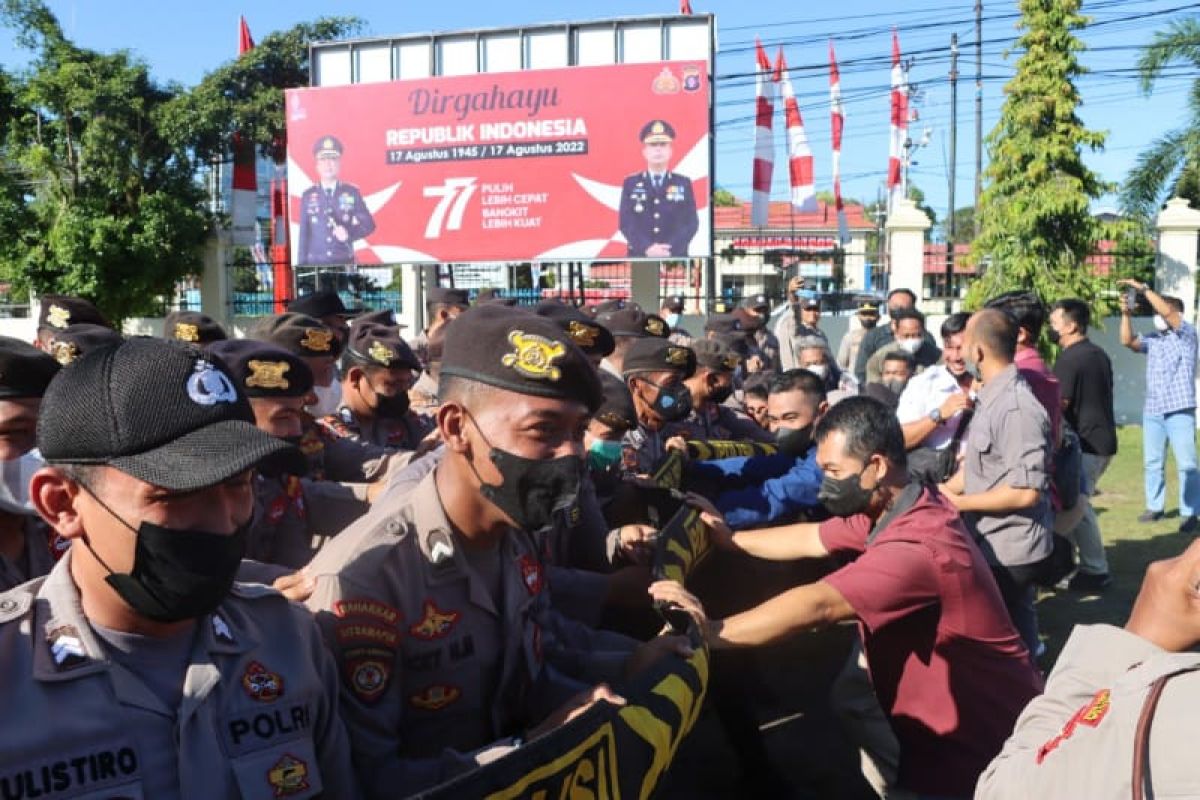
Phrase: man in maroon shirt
{"type": "Point", "coordinates": [949, 669]}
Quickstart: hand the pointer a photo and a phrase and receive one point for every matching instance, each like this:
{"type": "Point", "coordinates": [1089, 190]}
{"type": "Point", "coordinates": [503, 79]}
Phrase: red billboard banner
{"type": "Point", "coordinates": [574, 164]}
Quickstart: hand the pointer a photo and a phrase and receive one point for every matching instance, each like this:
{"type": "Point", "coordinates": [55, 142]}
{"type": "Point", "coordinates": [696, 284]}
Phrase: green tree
{"type": "Point", "coordinates": [110, 210]}
{"type": "Point", "coordinates": [724, 197]}
{"type": "Point", "coordinates": [245, 95]}
{"type": "Point", "coordinates": [964, 226]}
{"type": "Point", "coordinates": [1171, 164]}
{"type": "Point", "coordinates": [1036, 230]}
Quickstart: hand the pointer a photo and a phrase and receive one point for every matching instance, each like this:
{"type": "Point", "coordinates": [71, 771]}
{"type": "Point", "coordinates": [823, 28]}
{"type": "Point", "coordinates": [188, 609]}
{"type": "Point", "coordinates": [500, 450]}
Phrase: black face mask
{"type": "Point", "coordinates": [532, 492]}
{"type": "Point", "coordinates": [1053, 336]}
{"type": "Point", "coordinates": [177, 574]}
{"type": "Point", "coordinates": [391, 406]}
{"type": "Point", "coordinates": [844, 497]}
{"type": "Point", "coordinates": [794, 441]}
{"type": "Point", "coordinates": [719, 394]}
{"type": "Point", "coordinates": [868, 322]}
{"type": "Point", "coordinates": [673, 402]}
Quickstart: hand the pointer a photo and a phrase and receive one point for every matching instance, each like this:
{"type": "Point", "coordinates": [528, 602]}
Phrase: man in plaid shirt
{"type": "Point", "coordinates": [1170, 411]}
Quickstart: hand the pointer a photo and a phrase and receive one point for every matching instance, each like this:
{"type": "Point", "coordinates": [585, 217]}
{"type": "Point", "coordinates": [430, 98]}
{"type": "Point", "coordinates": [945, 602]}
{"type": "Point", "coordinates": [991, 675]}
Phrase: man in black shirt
{"type": "Point", "coordinates": [1085, 378]}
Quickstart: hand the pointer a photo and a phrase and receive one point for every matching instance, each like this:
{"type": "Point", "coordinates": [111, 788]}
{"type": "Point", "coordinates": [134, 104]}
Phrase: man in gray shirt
{"type": "Point", "coordinates": [1002, 487]}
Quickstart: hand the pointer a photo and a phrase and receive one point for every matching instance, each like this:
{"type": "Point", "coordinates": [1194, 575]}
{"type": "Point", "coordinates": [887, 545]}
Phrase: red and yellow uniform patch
{"type": "Point", "coordinates": [288, 776]}
{"type": "Point", "coordinates": [261, 684]}
{"type": "Point", "coordinates": [1091, 715]}
{"type": "Point", "coordinates": [435, 623]}
{"type": "Point", "coordinates": [435, 697]}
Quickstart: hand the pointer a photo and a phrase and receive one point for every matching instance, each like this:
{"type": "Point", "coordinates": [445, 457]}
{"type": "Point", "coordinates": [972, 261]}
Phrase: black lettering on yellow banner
{"type": "Point", "coordinates": [607, 753]}
{"type": "Point", "coordinates": [716, 448]}
{"type": "Point", "coordinates": [670, 474]}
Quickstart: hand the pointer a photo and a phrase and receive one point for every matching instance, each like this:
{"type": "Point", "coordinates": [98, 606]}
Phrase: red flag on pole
{"type": "Point", "coordinates": [685, 6]}
{"type": "Point", "coordinates": [800, 158]}
{"type": "Point", "coordinates": [837, 118]}
{"type": "Point", "coordinates": [243, 199]}
{"type": "Point", "coordinates": [766, 81]}
{"type": "Point", "coordinates": [899, 125]}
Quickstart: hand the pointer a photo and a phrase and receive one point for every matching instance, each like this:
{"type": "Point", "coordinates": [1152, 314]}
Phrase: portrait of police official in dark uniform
{"type": "Point", "coordinates": [658, 207]}
{"type": "Point", "coordinates": [332, 213]}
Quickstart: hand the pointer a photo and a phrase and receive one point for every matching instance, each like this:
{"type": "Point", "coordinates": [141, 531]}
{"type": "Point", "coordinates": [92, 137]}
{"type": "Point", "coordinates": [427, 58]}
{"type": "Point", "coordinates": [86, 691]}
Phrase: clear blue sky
{"type": "Point", "coordinates": [181, 41]}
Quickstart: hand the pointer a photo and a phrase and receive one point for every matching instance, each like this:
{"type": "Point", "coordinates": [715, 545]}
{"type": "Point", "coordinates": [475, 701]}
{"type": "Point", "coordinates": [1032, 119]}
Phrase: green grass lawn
{"type": "Point", "coordinates": [1131, 545]}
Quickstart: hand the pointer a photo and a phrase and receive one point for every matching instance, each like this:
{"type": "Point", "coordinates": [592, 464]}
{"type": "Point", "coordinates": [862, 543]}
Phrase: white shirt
{"type": "Point", "coordinates": [924, 393]}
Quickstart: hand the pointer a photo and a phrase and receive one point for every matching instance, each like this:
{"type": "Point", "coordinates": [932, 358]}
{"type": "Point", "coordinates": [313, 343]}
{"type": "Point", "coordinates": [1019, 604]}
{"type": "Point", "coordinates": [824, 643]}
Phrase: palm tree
{"type": "Point", "coordinates": [1171, 164]}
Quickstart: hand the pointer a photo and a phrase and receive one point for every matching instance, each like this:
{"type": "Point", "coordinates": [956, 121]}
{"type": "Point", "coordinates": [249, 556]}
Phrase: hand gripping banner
{"type": "Point", "coordinates": [610, 752]}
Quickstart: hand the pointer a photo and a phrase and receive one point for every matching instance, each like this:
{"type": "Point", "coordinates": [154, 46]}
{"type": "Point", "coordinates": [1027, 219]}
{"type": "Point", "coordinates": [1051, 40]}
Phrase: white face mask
{"type": "Point", "coordinates": [328, 399]}
{"type": "Point", "coordinates": [910, 346]}
{"type": "Point", "coordinates": [1160, 323]}
{"type": "Point", "coordinates": [820, 370]}
{"type": "Point", "coordinates": [14, 488]}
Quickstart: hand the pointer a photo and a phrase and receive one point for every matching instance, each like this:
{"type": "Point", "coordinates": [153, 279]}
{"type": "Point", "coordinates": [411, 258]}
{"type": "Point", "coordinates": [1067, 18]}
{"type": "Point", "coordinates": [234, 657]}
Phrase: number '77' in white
{"type": "Point", "coordinates": [455, 193]}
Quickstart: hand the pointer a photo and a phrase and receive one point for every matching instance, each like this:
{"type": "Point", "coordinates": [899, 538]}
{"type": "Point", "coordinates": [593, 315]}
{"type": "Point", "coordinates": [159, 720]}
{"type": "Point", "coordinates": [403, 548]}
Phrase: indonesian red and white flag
{"type": "Point", "coordinates": [766, 84]}
{"type": "Point", "coordinates": [837, 118]}
{"type": "Point", "coordinates": [685, 6]}
{"type": "Point", "coordinates": [899, 127]}
{"type": "Point", "coordinates": [800, 157]}
{"type": "Point", "coordinates": [243, 201]}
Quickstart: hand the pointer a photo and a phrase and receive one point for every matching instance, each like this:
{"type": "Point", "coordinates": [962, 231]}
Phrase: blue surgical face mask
{"type": "Point", "coordinates": [672, 320]}
{"type": "Point", "coordinates": [603, 455]}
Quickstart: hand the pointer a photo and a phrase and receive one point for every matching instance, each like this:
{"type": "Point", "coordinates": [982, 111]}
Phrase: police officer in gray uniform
{"type": "Point", "coordinates": [658, 215]}
{"type": "Point", "coordinates": [332, 213]}
{"type": "Point", "coordinates": [293, 515]}
{"type": "Point", "coordinates": [25, 372]}
{"type": "Point", "coordinates": [435, 603]}
{"type": "Point", "coordinates": [137, 667]}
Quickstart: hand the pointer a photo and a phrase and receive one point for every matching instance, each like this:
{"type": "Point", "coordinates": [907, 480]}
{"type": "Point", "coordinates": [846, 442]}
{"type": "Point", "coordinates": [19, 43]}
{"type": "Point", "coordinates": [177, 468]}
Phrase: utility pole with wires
{"type": "Point", "coordinates": [951, 228]}
{"type": "Point", "coordinates": [978, 110]}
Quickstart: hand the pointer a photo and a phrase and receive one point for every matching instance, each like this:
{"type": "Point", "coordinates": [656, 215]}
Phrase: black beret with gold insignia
{"type": "Point", "coordinates": [25, 371]}
{"type": "Point", "coordinates": [589, 335]}
{"type": "Point", "coordinates": [262, 369]}
{"type": "Point", "coordinates": [633, 321]}
{"type": "Point", "coordinates": [617, 410]}
{"type": "Point", "coordinates": [715, 355]}
{"type": "Point", "coordinates": [192, 326]}
{"type": "Point", "coordinates": [374, 345]}
{"type": "Point", "coordinates": [58, 311]}
{"type": "Point", "coordinates": [299, 334]}
{"type": "Point", "coordinates": [515, 350]}
{"type": "Point", "coordinates": [69, 344]}
{"type": "Point", "coordinates": [652, 354]}
{"type": "Point", "coordinates": [723, 323]}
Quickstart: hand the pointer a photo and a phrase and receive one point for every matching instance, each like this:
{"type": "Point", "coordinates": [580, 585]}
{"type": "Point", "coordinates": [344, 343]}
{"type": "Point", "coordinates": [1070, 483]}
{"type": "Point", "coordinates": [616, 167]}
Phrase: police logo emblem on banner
{"type": "Point", "coordinates": [288, 776]}
{"type": "Point", "coordinates": [268, 374]}
{"type": "Point", "coordinates": [691, 79]}
{"type": "Point", "coordinates": [665, 83]}
{"type": "Point", "coordinates": [534, 356]}
{"type": "Point", "coordinates": [261, 684]}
